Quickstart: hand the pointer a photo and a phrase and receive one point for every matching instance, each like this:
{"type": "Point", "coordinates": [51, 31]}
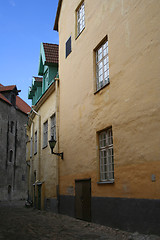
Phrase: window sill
{"type": "Point", "coordinates": [79, 34]}
{"type": "Point", "coordinates": [106, 182]}
{"type": "Point", "coordinates": [102, 88]}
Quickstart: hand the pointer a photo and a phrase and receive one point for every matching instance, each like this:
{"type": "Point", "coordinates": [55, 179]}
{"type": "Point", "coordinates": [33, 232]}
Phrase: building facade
{"type": "Point", "coordinates": [109, 112]}
{"type": "Point", "coordinates": [13, 118]}
{"type": "Point", "coordinates": [42, 126]}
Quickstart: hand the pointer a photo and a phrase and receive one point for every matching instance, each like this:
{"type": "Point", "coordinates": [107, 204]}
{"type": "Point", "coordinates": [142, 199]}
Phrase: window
{"type": "Point", "coordinates": [46, 79]}
{"type": "Point", "coordinates": [45, 134]}
{"type": "Point", "coordinates": [23, 177]}
{"type": "Point", "coordinates": [53, 127]}
{"type": "Point", "coordinates": [12, 127]}
{"type": "Point", "coordinates": [102, 65]}
{"type": "Point", "coordinates": [106, 156]}
{"type": "Point", "coordinates": [68, 47]}
{"type": "Point", "coordinates": [10, 156]}
{"type": "Point", "coordinates": [80, 19]}
{"type": "Point", "coordinates": [35, 143]}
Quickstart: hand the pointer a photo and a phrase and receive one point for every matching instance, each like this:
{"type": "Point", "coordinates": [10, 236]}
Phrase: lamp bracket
{"type": "Point", "coordinates": [58, 154]}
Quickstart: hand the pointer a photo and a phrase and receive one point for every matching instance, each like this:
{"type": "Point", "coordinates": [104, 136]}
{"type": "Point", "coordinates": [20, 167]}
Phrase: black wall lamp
{"type": "Point", "coordinates": [52, 144]}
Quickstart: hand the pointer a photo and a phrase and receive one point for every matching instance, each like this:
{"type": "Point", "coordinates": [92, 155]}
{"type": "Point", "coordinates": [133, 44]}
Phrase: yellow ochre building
{"type": "Point", "coordinates": [109, 113]}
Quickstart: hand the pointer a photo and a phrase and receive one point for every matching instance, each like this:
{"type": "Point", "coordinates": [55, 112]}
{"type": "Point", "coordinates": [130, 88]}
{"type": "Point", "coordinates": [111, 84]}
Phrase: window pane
{"type": "Point", "coordinates": [99, 53]}
{"type": "Point", "coordinates": [103, 61]}
{"type": "Point", "coordinates": [106, 155]}
{"type": "Point", "coordinates": [45, 134]}
{"type": "Point", "coordinates": [104, 51]}
{"type": "Point", "coordinates": [80, 18]}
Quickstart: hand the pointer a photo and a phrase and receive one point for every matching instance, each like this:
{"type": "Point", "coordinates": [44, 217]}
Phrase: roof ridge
{"type": "Point", "coordinates": [7, 88]}
{"type": "Point", "coordinates": [51, 43]}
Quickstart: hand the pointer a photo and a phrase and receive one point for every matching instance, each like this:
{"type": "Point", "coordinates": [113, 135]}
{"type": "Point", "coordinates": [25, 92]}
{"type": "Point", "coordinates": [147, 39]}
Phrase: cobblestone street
{"type": "Point", "coordinates": [20, 223]}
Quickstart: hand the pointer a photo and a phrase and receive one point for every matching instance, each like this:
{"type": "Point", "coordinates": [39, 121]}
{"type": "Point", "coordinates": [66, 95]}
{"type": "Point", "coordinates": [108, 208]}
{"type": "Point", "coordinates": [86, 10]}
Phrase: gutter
{"type": "Point", "coordinates": [57, 15]}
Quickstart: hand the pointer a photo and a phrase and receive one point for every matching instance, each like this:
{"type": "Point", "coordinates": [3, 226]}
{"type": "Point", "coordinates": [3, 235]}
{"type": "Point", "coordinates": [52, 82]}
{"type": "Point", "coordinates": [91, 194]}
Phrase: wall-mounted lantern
{"type": "Point", "coordinates": [52, 144]}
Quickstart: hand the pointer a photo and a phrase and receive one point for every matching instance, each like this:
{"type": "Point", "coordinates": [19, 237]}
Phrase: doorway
{"type": "Point", "coordinates": [83, 199]}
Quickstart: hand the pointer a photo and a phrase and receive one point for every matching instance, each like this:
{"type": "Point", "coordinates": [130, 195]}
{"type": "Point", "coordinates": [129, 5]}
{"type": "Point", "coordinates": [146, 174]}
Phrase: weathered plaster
{"type": "Point", "coordinates": [130, 103]}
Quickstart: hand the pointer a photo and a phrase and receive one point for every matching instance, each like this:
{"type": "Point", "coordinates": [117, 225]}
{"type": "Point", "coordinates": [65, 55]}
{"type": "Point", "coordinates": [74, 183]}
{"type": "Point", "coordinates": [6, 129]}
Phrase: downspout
{"type": "Point", "coordinates": [57, 136]}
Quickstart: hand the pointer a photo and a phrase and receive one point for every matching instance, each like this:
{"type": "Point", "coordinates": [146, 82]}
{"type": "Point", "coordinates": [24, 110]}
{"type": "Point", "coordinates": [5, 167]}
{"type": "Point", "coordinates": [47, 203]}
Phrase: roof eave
{"type": "Point", "coordinates": [57, 15]}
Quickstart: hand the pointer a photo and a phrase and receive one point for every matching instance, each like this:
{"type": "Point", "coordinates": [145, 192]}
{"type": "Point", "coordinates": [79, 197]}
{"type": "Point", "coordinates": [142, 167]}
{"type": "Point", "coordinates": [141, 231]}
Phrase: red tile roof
{"type": "Point", "coordinates": [7, 88]}
{"type": "Point", "coordinates": [38, 79]}
{"type": "Point", "coordinates": [51, 52]}
{"type": "Point", "coordinates": [4, 99]}
{"type": "Point", "coordinates": [20, 104]}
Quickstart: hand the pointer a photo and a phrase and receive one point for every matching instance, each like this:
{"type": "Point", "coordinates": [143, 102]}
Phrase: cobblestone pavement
{"type": "Point", "coordinates": [20, 223]}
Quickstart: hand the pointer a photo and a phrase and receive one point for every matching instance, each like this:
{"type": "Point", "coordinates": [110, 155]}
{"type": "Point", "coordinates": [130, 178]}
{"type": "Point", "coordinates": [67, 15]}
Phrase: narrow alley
{"type": "Point", "coordinates": [20, 223]}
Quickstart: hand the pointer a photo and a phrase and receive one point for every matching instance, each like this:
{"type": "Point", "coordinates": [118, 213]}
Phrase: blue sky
{"type": "Point", "coordinates": [23, 26]}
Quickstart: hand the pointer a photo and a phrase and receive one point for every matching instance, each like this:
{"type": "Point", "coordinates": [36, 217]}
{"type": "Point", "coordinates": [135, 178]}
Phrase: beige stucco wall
{"type": "Point", "coordinates": [43, 162]}
{"type": "Point", "coordinates": [48, 160]}
{"type": "Point", "coordinates": [130, 103]}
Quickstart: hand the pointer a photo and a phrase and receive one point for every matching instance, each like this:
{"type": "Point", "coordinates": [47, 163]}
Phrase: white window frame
{"type": "Point", "coordinates": [106, 156]}
{"type": "Point", "coordinates": [80, 18]}
{"type": "Point", "coordinates": [45, 134]}
{"type": "Point", "coordinates": [53, 126]}
{"type": "Point", "coordinates": [102, 66]}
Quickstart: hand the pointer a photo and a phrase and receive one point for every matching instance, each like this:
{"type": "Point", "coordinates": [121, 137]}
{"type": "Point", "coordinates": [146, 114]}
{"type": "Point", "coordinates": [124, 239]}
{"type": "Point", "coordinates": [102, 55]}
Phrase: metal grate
{"type": "Point", "coordinates": [68, 47]}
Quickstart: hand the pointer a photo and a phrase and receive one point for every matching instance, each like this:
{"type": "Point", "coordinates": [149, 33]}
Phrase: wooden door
{"type": "Point", "coordinates": [83, 199]}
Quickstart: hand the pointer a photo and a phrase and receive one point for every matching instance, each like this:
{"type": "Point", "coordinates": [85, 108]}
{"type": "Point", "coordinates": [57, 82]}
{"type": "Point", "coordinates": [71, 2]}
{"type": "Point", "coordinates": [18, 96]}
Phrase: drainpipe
{"type": "Point", "coordinates": [57, 136]}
